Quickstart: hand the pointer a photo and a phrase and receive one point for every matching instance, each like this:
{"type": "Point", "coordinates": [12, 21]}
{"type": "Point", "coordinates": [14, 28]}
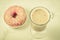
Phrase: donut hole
{"type": "Point", "coordinates": [14, 15]}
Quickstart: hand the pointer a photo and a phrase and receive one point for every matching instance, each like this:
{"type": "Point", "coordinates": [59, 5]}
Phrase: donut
{"type": "Point", "coordinates": [15, 16]}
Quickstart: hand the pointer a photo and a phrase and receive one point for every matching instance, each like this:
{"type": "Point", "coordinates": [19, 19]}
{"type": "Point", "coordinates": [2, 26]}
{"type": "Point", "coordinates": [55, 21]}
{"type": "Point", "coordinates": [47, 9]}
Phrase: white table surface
{"type": "Point", "coordinates": [7, 33]}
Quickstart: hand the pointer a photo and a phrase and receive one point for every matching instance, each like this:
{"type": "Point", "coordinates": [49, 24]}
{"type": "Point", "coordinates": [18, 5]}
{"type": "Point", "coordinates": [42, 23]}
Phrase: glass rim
{"type": "Point", "coordinates": [36, 9]}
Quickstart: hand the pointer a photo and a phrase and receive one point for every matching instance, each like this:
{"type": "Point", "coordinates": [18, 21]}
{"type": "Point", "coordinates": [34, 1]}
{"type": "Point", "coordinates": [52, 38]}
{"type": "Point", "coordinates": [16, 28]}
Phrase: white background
{"type": "Point", "coordinates": [7, 33]}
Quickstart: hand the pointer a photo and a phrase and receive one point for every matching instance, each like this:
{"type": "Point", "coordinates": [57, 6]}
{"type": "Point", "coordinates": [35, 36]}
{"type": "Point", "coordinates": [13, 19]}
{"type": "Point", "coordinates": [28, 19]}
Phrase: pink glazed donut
{"type": "Point", "coordinates": [15, 16]}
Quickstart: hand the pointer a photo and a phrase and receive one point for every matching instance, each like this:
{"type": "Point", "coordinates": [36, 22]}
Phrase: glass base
{"type": "Point", "coordinates": [38, 34]}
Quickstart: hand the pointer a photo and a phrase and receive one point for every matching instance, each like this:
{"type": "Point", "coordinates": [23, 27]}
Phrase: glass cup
{"type": "Point", "coordinates": [39, 16]}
